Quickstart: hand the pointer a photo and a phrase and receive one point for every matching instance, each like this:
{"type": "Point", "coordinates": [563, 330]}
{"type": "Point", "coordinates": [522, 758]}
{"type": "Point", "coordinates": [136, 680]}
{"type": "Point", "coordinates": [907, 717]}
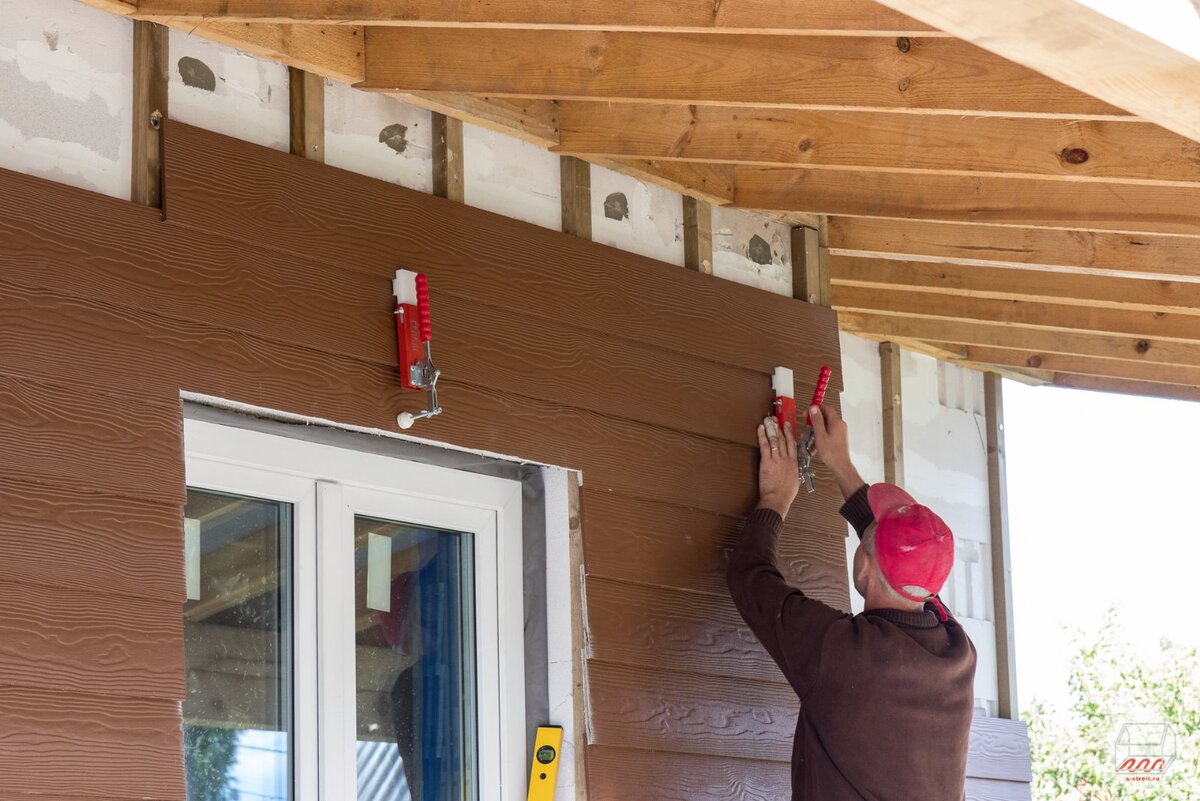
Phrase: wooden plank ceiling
{"type": "Point", "coordinates": [974, 207]}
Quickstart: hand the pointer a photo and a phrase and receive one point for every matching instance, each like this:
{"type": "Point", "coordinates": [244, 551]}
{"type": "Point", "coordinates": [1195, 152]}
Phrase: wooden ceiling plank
{"type": "Point", "coordinates": [1130, 151]}
{"type": "Point", "coordinates": [1019, 313]}
{"type": "Point", "coordinates": [1015, 247]}
{"type": "Point", "coordinates": [1023, 202]}
{"type": "Point", "coordinates": [731, 16]}
{"type": "Point", "coordinates": [1084, 365]}
{"type": "Point", "coordinates": [1124, 387]}
{"type": "Point", "coordinates": [1080, 47]}
{"type": "Point", "coordinates": [919, 73]}
{"type": "Point", "coordinates": [990, 334]}
{"type": "Point", "coordinates": [1019, 284]}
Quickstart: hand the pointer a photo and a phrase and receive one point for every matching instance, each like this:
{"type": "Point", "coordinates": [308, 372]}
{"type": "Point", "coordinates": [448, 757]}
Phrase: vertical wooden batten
{"type": "Point", "coordinates": [697, 235]}
{"type": "Point", "coordinates": [448, 157]}
{"type": "Point", "coordinates": [810, 267]}
{"type": "Point", "coordinates": [306, 114]}
{"type": "Point", "coordinates": [579, 660]}
{"type": "Point", "coordinates": [1006, 651]}
{"type": "Point", "coordinates": [576, 176]}
{"type": "Point", "coordinates": [150, 57]}
{"type": "Point", "coordinates": [893, 416]}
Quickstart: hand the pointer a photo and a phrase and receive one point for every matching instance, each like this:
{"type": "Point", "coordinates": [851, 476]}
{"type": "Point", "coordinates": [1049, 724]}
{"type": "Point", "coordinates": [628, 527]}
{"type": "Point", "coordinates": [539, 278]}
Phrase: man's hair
{"type": "Point", "coordinates": [868, 542]}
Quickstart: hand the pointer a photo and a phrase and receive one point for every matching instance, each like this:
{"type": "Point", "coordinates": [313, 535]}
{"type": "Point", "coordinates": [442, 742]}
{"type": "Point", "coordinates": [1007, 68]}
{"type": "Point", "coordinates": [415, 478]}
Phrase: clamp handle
{"type": "Point", "coordinates": [423, 318]}
{"type": "Point", "coordinates": [819, 394]}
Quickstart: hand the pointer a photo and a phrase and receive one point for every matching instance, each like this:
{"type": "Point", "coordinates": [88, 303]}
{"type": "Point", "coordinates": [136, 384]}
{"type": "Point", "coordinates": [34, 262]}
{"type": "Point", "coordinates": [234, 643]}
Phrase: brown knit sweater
{"type": "Point", "coordinates": [886, 696]}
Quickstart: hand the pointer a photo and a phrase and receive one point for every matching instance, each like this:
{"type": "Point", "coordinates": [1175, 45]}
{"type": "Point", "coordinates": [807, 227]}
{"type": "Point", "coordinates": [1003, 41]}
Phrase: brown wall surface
{"type": "Point", "coordinates": [268, 283]}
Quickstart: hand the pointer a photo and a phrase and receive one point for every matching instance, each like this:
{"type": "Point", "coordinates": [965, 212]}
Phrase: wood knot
{"type": "Point", "coordinates": [904, 44]}
{"type": "Point", "coordinates": [1034, 361]}
{"type": "Point", "coordinates": [805, 145]}
{"type": "Point", "coordinates": [904, 84]}
{"type": "Point", "coordinates": [1074, 155]}
{"type": "Point", "coordinates": [1142, 346]}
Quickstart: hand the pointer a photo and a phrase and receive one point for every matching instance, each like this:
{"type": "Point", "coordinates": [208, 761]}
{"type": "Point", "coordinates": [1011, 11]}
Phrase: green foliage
{"type": "Point", "coordinates": [210, 754]}
{"type": "Point", "coordinates": [1073, 749]}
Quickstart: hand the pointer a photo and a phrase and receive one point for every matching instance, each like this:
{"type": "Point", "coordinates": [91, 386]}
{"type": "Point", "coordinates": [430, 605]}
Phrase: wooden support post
{"type": "Point", "coordinates": [306, 113]}
{"type": "Point", "coordinates": [697, 235]}
{"type": "Point", "coordinates": [1006, 649]}
{"type": "Point", "coordinates": [893, 416]}
{"type": "Point", "coordinates": [576, 196]}
{"type": "Point", "coordinates": [447, 157]}
{"type": "Point", "coordinates": [578, 665]}
{"type": "Point", "coordinates": [810, 267]}
{"type": "Point", "coordinates": [150, 55]}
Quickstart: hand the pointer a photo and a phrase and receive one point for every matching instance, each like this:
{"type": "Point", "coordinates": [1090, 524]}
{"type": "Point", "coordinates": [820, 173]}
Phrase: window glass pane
{"type": "Point", "coordinates": [414, 663]}
{"type": "Point", "coordinates": [237, 645]}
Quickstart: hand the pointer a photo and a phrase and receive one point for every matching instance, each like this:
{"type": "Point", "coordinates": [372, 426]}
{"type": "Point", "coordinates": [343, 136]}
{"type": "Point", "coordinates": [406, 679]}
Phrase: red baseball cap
{"type": "Point", "coordinates": [913, 546]}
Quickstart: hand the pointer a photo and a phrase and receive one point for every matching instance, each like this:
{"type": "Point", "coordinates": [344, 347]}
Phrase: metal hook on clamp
{"type": "Point", "coordinates": [414, 333]}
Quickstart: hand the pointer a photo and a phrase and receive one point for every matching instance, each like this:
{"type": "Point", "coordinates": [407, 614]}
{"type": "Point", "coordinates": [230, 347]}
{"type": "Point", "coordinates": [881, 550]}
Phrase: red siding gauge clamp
{"type": "Point", "coordinates": [414, 334]}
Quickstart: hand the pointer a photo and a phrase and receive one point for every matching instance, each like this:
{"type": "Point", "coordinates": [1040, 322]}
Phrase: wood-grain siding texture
{"type": "Point", "coordinates": [268, 283]}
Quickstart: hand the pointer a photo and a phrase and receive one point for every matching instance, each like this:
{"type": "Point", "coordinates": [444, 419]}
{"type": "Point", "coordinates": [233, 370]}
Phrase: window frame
{"type": "Point", "coordinates": [328, 485]}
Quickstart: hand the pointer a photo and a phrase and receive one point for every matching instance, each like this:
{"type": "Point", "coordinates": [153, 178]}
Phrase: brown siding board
{"type": "Point", "coordinates": [634, 458]}
{"type": "Point", "coordinates": [690, 713]}
{"type": "Point", "coordinates": [72, 640]}
{"type": "Point", "coordinates": [271, 199]}
{"type": "Point", "coordinates": [670, 629]}
{"type": "Point", "coordinates": [620, 774]}
{"type": "Point", "coordinates": [126, 445]}
{"type": "Point", "coordinates": [653, 543]}
{"type": "Point", "coordinates": [63, 535]}
{"type": "Point", "coordinates": [76, 744]}
{"type": "Point", "coordinates": [181, 274]}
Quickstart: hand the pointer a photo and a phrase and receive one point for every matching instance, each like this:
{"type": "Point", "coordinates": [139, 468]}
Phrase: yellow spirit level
{"type": "Point", "coordinates": [544, 773]}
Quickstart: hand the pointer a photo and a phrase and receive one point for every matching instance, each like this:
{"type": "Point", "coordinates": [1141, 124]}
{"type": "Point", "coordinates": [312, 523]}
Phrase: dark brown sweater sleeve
{"type": "Point", "coordinates": [857, 511]}
{"type": "Point", "coordinates": [789, 624]}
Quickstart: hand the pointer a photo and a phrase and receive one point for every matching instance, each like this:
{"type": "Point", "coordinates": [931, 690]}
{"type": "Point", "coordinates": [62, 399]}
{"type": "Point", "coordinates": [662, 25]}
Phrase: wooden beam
{"type": "Point", "coordinates": [150, 56]}
{"type": "Point", "coordinates": [1130, 151]}
{"type": "Point", "coordinates": [1024, 359]}
{"type": "Point", "coordinates": [1019, 313]}
{"type": "Point", "coordinates": [732, 16]}
{"type": "Point", "coordinates": [1038, 340]}
{"type": "Point", "coordinates": [306, 114]}
{"type": "Point", "coordinates": [448, 164]}
{"type": "Point", "coordinates": [697, 235]}
{"type": "Point", "coordinates": [1006, 644]}
{"type": "Point", "coordinates": [576, 182]}
{"type": "Point", "coordinates": [1101, 56]}
{"type": "Point", "coordinates": [1170, 391]}
{"type": "Point", "coordinates": [1076, 289]}
{"type": "Point", "coordinates": [810, 273]}
{"type": "Point", "coordinates": [893, 416]}
{"type": "Point", "coordinates": [838, 71]}
{"type": "Point", "coordinates": [996, 200]}
{"type": "Point", "coordinates": [1135, 254]}
{"type": "Point", "coordinates": [331, 51]}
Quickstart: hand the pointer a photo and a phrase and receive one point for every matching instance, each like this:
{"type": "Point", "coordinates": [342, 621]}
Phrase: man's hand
{"type": "Point", "coordinates": [778, 469]}
{"type": "Point", "coordinates": [833, 447]}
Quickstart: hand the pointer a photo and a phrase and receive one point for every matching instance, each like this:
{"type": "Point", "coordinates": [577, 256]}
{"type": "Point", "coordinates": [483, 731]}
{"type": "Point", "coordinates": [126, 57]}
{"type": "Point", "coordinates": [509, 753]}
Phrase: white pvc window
{"type": "Point", "coordinates": [354, 625]}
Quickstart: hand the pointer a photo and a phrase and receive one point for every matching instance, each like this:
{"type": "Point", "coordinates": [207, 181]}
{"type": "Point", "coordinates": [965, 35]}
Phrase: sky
{"type": "Point", "coordinates": [1104, 508]}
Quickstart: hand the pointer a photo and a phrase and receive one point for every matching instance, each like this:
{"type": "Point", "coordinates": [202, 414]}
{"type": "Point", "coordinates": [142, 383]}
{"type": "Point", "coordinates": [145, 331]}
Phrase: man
{"type": "Point", "coordinates": [886, 695]}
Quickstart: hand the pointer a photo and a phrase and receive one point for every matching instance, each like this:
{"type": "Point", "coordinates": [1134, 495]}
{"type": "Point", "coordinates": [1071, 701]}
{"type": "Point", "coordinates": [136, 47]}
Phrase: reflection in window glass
{"type": "Point", "coordinates": [237, 643]}
{"type": "Point", "coordinates": [414, 663]}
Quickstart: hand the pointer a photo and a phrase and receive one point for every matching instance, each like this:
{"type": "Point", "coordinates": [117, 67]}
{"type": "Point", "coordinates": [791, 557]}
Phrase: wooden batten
{"type": "Point", "coordinates": [306, 114]}
{"type": "Point", "coordinates": [893, 413]}
{"type": "Point", "coordinates": [1002, 594]}
{"type": "Point", "coordinates": [575, 178]}
{"type": "Point", "coordinates": [810, 267]}
{"type": "Point", "coordinates": [697, 235]}
{"type": "Point", "coordinates": [150, 56]}
{"type": "Point", "coordinates": [448, 163]}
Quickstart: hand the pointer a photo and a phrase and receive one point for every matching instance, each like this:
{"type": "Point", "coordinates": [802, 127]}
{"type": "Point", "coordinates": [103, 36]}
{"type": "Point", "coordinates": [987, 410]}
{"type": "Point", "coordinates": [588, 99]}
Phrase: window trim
{"type": "Point", "coordinates": [327, 485]}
